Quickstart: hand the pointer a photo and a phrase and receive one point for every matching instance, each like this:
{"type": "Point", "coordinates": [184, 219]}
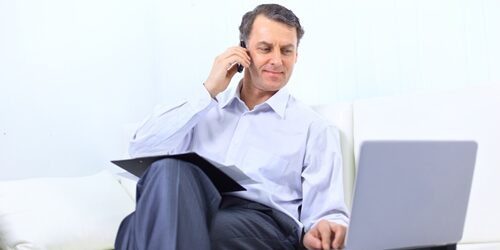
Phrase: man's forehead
{"type": "Point", "coordinates": [267, 30]}
{"type": "Point", "coordinates": [262, 19]}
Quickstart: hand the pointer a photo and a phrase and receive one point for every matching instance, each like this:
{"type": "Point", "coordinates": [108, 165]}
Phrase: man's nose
{"type": "Point", "coordinates": [276, 57]}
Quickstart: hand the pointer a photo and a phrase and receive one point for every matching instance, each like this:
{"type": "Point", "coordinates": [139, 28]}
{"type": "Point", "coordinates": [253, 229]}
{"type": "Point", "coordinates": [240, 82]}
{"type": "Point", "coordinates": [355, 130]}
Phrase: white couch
{"type": "Point", "coordinates": [84, 212]}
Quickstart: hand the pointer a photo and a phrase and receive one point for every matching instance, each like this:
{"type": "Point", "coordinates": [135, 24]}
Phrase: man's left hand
{"type": "Point", "coordinates": [325, 235]}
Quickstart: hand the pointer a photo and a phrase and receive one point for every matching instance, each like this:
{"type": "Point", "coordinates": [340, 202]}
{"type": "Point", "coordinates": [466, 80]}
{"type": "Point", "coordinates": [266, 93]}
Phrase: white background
{"type": "Point", "coordinates": [75, 75]}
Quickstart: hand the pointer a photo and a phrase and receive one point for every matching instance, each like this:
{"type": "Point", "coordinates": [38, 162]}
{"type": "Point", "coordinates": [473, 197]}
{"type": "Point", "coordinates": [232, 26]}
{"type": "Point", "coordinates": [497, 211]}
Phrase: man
{"type": "Point", "coordinates": [291, 152]}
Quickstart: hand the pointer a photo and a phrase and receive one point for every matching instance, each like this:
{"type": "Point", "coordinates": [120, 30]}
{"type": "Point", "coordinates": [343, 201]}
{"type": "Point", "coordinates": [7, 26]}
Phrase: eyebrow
{"type": "Point", "coordinates": [287, 46]}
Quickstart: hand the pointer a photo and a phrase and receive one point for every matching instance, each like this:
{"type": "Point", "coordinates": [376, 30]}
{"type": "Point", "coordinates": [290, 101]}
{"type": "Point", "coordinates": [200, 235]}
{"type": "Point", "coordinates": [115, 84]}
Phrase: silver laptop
{"type": "Point", "coordinates": [411, 194]}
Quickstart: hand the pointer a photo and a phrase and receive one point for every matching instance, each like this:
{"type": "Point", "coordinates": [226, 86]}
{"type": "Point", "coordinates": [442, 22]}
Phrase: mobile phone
{"type": "Point", "coordinates": [239, 66]}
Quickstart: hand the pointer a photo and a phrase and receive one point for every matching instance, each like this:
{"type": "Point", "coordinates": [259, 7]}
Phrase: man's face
{"type": "Point", "coordinates": [273, 48]}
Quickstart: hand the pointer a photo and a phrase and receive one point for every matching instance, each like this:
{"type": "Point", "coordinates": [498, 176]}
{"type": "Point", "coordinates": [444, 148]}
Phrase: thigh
{"type": "Point", "coordinates": [176, 202]}
{"type": "Point", "coordinates": [249, 225]}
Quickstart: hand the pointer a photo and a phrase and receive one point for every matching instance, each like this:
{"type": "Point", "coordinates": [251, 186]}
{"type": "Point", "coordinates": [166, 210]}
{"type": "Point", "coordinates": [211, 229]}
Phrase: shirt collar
{"type": "Point", "coordinates": [277, 102]}
{"type": "Point", "coordinates": [227, 97]}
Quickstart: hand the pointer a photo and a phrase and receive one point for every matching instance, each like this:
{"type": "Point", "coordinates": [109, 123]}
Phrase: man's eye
{"type": "Point", "coordinates": [264, 49]}
{"type": "Point", "coordinates": [287, 52]}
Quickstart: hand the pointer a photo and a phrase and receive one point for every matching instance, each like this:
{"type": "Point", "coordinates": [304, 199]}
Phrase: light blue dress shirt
{"type": "Point", "coordinates": [292, 152]}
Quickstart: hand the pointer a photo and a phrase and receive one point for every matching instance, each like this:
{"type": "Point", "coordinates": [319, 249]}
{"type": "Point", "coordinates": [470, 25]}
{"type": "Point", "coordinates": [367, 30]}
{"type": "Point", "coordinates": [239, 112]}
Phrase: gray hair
{"type": "Point", "coordinates": [274, 12]}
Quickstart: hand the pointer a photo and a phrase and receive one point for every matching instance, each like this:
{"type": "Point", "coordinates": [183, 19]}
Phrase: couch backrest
{"type": "Point", "coordinates": [468, 114]}
{"type": "Point", "coordinates": [340, 115]}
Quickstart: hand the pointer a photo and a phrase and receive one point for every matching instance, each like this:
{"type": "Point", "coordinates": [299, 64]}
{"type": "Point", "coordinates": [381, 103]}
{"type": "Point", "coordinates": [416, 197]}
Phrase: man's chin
{"type": "Point", "coordinates": [270, 84]}
{"type": "Point", "coordinates": [274, 79]}
{"type": "Point", "coordinates": [274, 86]}
{"type": "Point", "coordinates": [274, 83]}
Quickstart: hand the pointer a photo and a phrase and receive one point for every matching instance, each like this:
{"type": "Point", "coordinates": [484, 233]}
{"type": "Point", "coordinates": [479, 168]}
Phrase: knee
{"type": "Point", "coordinates": [160, 165]}
{"type": "Point", "coordinates": [168, 170]}
{"type": "Point", "coordinates": [248, 229]}
{"type": "Point", "coordinates": [233, 231]}
{"type": "Point", "coordinates": [170, 165]}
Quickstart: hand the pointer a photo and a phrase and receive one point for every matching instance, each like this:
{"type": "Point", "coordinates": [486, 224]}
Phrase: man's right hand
{"type": "Point", "coordinates": [224, 68]}
{"type": "Point", "coordinates": [325, 235]}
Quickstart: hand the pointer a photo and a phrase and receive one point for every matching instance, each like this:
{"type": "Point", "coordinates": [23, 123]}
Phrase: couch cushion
{"type": "Point", "coordinates": [62, 213]}
{"type": "Point", "coordinates": [128, 182]}
{"type": "Point", "coordinates": [481, 246]}
{"type": "Point", "coordinates": [468, 114]}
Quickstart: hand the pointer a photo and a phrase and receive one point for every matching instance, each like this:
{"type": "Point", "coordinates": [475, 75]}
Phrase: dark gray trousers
{"type": "Point", "coordinates": [179, 208]}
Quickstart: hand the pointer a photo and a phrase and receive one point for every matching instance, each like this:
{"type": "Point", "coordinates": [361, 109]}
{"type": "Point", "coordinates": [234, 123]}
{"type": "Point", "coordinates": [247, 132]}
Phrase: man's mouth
{"type": "Point", "coordinates": [272, 72]}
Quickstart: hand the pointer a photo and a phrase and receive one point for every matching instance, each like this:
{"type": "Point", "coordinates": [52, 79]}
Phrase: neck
{"type": "Point", "coordinates": [252, 96]}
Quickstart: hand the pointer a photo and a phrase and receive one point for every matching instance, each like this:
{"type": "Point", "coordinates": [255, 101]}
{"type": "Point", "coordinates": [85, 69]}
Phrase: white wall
{"type": "Point", "coordinates": [351, 49]}
{"type": "Point", "coordinates": [73, 74]}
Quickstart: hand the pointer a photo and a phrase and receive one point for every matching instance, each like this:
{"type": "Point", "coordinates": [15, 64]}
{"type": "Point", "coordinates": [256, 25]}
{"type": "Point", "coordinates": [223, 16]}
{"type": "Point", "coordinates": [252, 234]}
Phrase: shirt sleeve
{"type": "Point", "coordinates": [322, 178]}
{"type": "Point", "coordinates": [166, 129]}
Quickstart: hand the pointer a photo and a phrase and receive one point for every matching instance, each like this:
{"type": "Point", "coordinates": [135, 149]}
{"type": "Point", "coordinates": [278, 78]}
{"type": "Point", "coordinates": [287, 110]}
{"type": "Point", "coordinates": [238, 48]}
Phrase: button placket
{"type": "Point", "coordinates": [238, 137]}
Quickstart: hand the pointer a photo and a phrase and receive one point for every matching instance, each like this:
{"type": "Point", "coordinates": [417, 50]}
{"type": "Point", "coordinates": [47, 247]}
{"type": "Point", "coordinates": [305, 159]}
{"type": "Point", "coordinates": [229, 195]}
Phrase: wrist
{"type": "Point", "coordinates": [211, 89]}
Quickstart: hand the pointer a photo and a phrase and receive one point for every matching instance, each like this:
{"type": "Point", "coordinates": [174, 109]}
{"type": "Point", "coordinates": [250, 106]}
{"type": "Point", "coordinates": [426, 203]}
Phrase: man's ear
{"type": "Point", "coordinates": [296, 56]}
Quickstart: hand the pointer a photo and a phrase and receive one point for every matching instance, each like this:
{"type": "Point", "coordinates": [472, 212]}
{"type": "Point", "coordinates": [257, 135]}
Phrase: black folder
{"type": "Point", "coordinates": [222, 181]}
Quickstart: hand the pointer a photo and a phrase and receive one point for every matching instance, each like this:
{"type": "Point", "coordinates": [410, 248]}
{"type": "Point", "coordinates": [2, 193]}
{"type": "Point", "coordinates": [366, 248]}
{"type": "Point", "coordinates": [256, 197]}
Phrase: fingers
{"type": "Point", "coordinates": [339, 231]}
{"type": "Point", "coordinates": [224, 68]}
{"type": "Point", "coordinates": [325, 235]}
{"type": "Point", "coordinates": [235, 55]}
{"type": "Point", "coordinates": [312, 241]}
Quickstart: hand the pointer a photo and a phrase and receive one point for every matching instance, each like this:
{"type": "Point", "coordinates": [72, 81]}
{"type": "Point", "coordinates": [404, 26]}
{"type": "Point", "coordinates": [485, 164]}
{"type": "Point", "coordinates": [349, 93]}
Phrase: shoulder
{"type": "Point", "coordinates": [298, 110]}
{"type": "Point", "coordinates": [320, 131]}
